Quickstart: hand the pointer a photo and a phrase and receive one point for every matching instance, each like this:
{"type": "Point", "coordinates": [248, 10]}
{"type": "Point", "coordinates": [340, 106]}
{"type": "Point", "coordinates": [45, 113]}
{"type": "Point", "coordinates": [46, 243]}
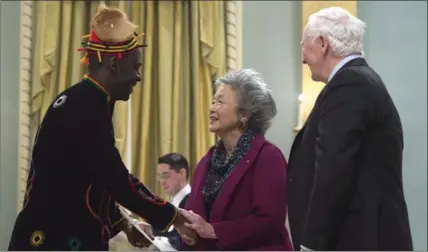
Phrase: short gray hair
{"type": "Point", "coordinates": [344, 31]}
{"type": "Point", "coordinates": [253, 96]}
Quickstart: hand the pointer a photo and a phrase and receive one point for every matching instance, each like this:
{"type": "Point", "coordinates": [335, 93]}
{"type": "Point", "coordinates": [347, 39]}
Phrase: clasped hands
{"type": "Point", "coordinates": [189, 226]}
{"type": "Point", "coordinates": [197, 224]}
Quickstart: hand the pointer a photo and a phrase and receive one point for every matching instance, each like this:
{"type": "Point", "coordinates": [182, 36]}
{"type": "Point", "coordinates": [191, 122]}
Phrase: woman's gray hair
{"type": "Point", "coordinates": [253, 97]}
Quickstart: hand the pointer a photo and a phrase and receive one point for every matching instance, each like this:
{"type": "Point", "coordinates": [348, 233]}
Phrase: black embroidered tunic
{"type": "Point", "coordinates": [77, 177]}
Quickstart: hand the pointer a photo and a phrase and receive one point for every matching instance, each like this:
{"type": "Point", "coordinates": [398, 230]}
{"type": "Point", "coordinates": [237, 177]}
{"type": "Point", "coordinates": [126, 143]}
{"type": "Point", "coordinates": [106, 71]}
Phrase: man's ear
{"type": "Point", "coordinates": [325, 45]}
{"type": "Point", "coordinates": [183, 172]}
{"type": "Point", "coordinates": [113, 64]}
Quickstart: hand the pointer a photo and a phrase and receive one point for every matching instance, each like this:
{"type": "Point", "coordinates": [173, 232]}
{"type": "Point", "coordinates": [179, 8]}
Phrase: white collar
{"type": "Point", "coordinates": [177, 198]}
{"type": "Point", "coordinates": [342, 63]}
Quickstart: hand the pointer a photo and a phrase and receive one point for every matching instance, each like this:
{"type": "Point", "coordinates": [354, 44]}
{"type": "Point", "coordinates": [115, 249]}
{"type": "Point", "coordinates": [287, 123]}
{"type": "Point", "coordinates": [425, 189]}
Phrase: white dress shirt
{"type": "Point", "coordinates": [342, 63]}
{"type": "Point", "coordinates": [177, 198]}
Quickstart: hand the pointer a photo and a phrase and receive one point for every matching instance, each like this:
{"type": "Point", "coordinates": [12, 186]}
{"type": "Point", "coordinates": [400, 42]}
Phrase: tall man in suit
{"type": "Point", "coordinates": [173, 175]}
{"type": "Point", "coordinates": [345, 188]}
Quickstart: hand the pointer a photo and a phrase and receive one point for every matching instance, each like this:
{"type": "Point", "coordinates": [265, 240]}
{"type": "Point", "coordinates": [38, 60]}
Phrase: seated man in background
{"type": "Point", "coordinates": [173, 175]}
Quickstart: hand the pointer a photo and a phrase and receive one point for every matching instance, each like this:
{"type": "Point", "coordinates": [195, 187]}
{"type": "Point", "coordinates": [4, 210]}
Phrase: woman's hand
{"type": "Point", "coordinates": [190, 237]}
{"type": "Point", "coordinates": [198, 224]}
{"type": "Point", "coordinates": [187, 240]}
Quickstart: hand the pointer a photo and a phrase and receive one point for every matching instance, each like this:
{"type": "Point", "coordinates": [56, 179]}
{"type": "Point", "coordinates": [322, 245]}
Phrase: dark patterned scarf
{"type": "Point", "coordinates": [220, 168]}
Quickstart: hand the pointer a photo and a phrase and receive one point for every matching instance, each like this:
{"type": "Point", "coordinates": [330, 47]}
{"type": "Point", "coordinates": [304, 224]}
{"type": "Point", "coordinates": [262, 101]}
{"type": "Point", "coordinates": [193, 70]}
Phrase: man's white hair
{"type": "Point", "coordinates": [344, 31]}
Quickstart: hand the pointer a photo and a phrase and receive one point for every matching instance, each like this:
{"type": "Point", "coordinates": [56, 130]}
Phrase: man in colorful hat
{"type": "Point", "coordinates": [77, 177]}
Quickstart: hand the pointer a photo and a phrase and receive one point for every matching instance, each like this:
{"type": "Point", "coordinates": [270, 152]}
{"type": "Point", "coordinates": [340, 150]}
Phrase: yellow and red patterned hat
{"type": "Point", "coordinates": [112, 34]}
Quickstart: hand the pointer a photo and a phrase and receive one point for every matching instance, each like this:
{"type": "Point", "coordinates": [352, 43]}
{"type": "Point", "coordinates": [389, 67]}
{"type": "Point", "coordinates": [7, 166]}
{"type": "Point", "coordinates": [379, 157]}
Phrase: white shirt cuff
{"type": "Point", "coordinates": [303, 248]}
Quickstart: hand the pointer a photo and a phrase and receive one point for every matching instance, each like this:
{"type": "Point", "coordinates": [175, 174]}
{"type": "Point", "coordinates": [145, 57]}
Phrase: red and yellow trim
{"type": "Point", "coordinates": [172, 221]}
{"type": "Point", "coordinates": [117, 222]}
{"type": "Point", "coordinates": [96, 46]}
{"type": "Point", "coordinates": [113, 225]}
{"type": "Point", "coordinates": [29, 189]}
{"type": "Point", "coordinates": [98, 85]}
{"type": "Point", "coordinates": [88, 205]}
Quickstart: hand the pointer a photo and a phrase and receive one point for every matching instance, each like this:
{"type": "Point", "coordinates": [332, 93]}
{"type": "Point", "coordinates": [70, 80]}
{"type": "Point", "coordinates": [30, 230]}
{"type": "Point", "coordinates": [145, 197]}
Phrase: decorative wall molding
{"type": "Point", "coordinates": [25, 66]}
{"type": "Point", "coordinates": [234, 34]}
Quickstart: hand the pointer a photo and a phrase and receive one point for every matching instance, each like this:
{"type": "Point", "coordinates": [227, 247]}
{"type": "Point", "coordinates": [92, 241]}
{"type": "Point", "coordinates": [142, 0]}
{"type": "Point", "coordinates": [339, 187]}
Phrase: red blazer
{"type": "Point", "coordinates": [250, 210]}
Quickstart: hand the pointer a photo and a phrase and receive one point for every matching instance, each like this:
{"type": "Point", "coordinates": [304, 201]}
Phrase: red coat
{"type": "Point", "coordinates": [250, 210]}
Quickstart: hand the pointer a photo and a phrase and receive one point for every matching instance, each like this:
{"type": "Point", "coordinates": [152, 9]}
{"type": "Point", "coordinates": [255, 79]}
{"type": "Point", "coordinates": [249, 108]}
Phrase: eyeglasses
{"type": "Point", "coordinates": [163, 176]}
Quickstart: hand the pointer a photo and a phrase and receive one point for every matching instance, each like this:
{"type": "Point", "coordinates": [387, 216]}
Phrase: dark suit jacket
{"type": "Point", "coordinates": [250, 210]}
{"type": "Point", "coordinates": [173, 236]}
{"type": "Point", "coordinates": [345, 189]}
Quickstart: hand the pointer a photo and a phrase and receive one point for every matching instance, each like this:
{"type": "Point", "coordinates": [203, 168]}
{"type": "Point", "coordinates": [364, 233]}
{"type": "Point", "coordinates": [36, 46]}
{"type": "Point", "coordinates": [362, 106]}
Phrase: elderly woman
{"type": "Point", "coordinates": [238, 199]}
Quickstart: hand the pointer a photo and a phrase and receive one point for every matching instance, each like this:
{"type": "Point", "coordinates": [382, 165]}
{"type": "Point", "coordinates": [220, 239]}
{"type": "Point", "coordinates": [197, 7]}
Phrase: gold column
{"type": "Point", "coordinates": [311, 89]}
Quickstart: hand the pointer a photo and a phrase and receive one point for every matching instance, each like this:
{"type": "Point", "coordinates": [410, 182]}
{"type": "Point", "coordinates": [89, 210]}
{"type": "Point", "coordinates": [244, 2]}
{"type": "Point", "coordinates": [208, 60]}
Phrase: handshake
{"type": "Point", "coordinates": [183, 224]}
{"type": "Point", "coordinates": [183, 227]}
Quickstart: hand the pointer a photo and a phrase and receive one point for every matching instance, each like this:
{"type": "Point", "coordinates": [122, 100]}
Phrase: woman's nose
{"type": "Point", "coordinates": [212, 108]}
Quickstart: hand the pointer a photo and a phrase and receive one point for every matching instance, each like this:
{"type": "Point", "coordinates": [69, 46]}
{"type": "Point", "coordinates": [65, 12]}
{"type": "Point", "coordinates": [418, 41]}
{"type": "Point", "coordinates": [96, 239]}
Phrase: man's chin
{"type": "Point", "coordinates": [316, 78]}
{"type": "Point", "coordinates": [124, 97]}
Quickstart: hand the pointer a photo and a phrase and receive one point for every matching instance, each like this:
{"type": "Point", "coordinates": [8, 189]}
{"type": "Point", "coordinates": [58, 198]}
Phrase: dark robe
{"type": "Point", "coordinates": [345, 186]}
{"type": "Point", "coordinates": [77, 178]}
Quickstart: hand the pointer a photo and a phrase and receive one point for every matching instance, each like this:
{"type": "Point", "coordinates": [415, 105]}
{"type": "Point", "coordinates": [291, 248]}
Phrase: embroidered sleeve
{"type": "Point", "coordinates": [144, 191]}
{"type": "Point", "coordinates": [95, 136]}
{"type": "Point", "coordinates": [30, 179]}
{"type": "Point", "coordinates": [115, 218]}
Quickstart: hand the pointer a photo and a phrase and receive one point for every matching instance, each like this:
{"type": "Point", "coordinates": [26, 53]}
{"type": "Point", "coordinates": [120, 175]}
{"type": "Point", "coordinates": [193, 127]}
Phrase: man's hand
{"type": "Point", "coordinates": [146, 227]}
{"type": "Point", "coordinates": [189, 236]}
{"type": "Point", "coordinates": [136, 238]}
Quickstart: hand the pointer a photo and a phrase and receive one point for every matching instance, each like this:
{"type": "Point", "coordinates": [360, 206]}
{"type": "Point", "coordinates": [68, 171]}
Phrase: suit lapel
{"type": "Point", "coordinates": [298, 138]}
{"type": "Point", "coordinates": [317, 101]}
{"type": "Point", "coordinates": [301, 133]}
{"type": "Point", "coordinates": [234, 178]}
{"type": "Point", "coordinates": [296, 143]}
{"type": "Point", "coordinates": [183, 201]}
